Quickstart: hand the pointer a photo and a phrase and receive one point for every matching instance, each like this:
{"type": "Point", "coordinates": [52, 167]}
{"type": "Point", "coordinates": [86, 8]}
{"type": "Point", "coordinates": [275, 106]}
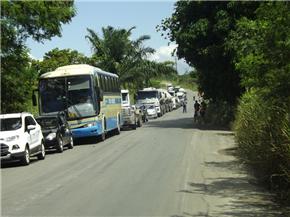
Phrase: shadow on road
{"type": "Point", "coordinates": [183, 123]}
{"type": "Point", "coordinates": [245, 197]}
{"type": "Point", "coordinates": [16, 163]}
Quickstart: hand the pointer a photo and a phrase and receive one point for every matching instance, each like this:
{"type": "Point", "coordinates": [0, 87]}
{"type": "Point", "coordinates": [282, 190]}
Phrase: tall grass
{"type": "Point", "coordinates": [262, 128]}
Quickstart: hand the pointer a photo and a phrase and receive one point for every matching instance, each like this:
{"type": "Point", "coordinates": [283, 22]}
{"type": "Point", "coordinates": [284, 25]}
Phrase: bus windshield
{"type": "Point", "coordinates": [146, 95]}
{"type": "Point", "coordinates": [73, 94]}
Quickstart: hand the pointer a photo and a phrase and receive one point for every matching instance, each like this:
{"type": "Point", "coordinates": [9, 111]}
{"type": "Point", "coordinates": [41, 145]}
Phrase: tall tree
{"type": "Point", "coordinates": [56, 58]}
{"type": "Point", "coordinates": [117, 53]}
{"type": "Point", "coordinates": [200, 29]}
{"type": "Point", "coordinates": [19, 20]}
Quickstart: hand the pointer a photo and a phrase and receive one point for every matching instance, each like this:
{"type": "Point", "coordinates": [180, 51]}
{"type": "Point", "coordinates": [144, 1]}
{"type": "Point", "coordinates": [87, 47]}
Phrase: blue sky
{"type": "Point", "coordinates": [119, 14]}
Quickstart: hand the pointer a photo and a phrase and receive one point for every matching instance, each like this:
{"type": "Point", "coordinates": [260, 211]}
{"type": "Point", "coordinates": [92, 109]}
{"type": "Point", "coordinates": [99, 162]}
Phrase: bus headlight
{"type": "Point", "coordinates": [91, 124]}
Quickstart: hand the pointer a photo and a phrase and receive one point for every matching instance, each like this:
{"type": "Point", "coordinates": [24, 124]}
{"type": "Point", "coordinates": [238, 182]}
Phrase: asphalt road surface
{"type": "Point", "coordinates": [168, 167]}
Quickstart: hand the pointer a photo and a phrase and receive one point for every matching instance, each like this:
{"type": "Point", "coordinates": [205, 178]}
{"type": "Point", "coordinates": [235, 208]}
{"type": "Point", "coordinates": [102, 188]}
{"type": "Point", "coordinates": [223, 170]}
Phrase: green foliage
{"type": "Point", "coordinates": [38, 19]}
{"type": "Point", "coordinates": [188, 80]}
{"type": "Point", "coordinates": [20, 19]}
{"type": "Point", "coordinates": [117, 53]}
{"type": "Point", "coordinates": [16, 83]}
{"type": "Point", "coordinates": [263, 134]}
{"type": "Point", "coordinates": [262, 52]}
{"type": "Point", "coordinates": [201, 29]}
{"type": "Point", "coordinates": [262, 49]}
{"type": "Point", "coordinates": [220, 114]}
{"type": "Point", "coordinates": [57, 58]}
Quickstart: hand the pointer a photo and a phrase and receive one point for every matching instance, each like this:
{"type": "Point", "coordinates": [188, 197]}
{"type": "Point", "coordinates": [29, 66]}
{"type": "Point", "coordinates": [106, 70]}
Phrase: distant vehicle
{"type": "Point", "coordinates": [89, 96]}
{"type": "Point", "coordinates": [131, 116]}
{"type": "Point", "coordinates": [170, 87]}
{"type": "Point", "coordinates": [20, 138]}
{"type": "Point", "coordinates": [181, 96]}
{"type": "Point", "coordinates": [168, 101]}
{"type": "Point", "coordinates": [56, 132]}
{"type": "Point", "coordinates": [175, 102]}
{"type": "Point", "coordinates": [144, 114]}
{"type": "Point", "coordinates": [151, 111]}
{"type": "Point", "coordinates": [151, 96]}
{"type": "Point", "coordinates": [176, 89]}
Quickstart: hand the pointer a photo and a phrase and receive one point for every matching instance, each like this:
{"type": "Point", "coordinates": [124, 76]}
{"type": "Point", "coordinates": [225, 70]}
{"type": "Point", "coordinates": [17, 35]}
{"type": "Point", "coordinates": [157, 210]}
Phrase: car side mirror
{"type": "Point", "coordinates": [31, 127]}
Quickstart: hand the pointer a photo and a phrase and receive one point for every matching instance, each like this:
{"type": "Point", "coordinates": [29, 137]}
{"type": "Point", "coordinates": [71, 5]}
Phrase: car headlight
{"type": "Point", "coordinates": [12, 138]}
{"type": "Point", "coordinates": [51, 136]}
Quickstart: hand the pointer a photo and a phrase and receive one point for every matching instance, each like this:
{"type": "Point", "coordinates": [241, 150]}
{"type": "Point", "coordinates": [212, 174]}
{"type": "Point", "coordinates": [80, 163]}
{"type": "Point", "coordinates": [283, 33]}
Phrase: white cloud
{"type": "Point", "coordinates": [33, 57]}
{"type": "Point", "coordinates": [164, 53]}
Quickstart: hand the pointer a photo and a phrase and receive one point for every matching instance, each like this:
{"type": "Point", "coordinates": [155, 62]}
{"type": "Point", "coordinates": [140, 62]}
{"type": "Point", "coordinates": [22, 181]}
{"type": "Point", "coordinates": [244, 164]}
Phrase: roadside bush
{"type": "Point", "coordinates": [219, 113]}
{"type": "Point", "coordinates": [262, 128]}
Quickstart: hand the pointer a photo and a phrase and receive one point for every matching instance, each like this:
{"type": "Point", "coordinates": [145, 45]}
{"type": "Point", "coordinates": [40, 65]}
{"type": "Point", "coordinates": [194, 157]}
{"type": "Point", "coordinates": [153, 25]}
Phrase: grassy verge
{"type": "Point", "coordinates": [263, 136]}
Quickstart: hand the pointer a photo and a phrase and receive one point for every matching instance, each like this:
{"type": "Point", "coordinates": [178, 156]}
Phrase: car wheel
{"type": "Point", "coordinates": [134, 126]}
{"type": "Point", "coordinates": [59, 147]}
{"type": "Point", "coordinates": [71, 143]}
{"type": "Point", "coordinates": [103, 136]}
{"type": "Point", "coordinates": [139, 123]}
{"type": "Point", "coordinates": [25, 160]}
{"type": "Point", "coordinates": [41, 155]}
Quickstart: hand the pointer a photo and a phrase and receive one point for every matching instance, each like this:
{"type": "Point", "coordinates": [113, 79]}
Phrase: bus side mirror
{"type": "Point", "coordinates": [34, 101]}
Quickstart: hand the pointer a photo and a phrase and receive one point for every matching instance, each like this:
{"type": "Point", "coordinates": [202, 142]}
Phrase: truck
{"type": "Point", "coordinates": [130, 115]}
{"type": "Point", "coordinates": [151, 96]}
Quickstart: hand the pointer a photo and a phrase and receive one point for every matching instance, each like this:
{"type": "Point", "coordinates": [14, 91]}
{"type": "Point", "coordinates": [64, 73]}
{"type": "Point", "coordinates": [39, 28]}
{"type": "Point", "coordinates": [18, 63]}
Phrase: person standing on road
{"type": "Point", "coordinates": [184, 106]}
{"type": "Point", "coordinates": [196, 110]}
{"type": "Point", "coordinates": [202, 109]}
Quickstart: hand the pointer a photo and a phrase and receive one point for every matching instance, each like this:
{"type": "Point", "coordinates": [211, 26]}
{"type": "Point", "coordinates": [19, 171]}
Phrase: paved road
{"type": "Point", "coordinates": [169, 167]}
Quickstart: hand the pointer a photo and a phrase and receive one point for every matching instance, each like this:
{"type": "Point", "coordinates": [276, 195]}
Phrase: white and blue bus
{"type": "Point", "coordinates": [89, 96]}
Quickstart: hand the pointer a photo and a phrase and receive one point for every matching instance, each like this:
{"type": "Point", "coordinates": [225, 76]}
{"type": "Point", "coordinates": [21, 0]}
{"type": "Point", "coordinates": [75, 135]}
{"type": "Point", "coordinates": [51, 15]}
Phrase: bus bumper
{"type": "Point", "coordinates": [86, 132]}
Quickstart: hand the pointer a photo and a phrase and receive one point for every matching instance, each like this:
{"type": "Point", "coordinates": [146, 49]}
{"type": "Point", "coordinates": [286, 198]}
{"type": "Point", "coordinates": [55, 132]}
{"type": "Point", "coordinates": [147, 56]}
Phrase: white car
{"type": "Point", "coordinates": [151, 111]}
{"type": "Point", "coordinates": [20, 138]}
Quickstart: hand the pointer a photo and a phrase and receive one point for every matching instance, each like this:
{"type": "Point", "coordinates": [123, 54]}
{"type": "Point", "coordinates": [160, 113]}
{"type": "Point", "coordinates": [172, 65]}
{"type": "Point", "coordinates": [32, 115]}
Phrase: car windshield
{"type": "Point", "coordinates": [47, 123]}
{"type": "Point", "coordinates": [9, 124]}
{"type": "Point", "coordinates": [124, 98]}
{"type": "Point", "coordinates": [146, 95]}
{"type": "Point", "coordinates": [151, 107]}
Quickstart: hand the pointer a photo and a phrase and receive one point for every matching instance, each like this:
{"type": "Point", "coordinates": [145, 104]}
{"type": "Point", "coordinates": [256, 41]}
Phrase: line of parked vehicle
{"type": "Point", "coordinates": [150, 103]}
{"type": "Point", "coordinates": [22, 136]}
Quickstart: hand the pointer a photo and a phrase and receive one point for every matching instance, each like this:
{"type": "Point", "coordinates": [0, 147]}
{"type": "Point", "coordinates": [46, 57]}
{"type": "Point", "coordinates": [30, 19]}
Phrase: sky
{"type": "Point", "coordinates": [118, 14]}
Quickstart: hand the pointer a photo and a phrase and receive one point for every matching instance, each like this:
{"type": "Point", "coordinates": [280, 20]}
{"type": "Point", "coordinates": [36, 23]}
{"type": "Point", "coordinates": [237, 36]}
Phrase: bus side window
{"type": "Point", "coordinates": [101, 82]}
{"type": "Point", "coordinates": [118, 85]}
{"type": "Point", "coordinates": [97, 80]}
{"type": "Point", "coordinates": [104, 83]}
{"type": "Point", "coordinates": [115, 85]}
{"type": "Point", "coordinates": [112, 84]}
{"type": "Point", "coordinates": [109, 84]}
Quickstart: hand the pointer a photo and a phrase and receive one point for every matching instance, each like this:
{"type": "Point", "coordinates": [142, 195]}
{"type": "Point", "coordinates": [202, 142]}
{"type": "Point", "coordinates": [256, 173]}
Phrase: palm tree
{"type": "Point", "coordinates": [116, 53]}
